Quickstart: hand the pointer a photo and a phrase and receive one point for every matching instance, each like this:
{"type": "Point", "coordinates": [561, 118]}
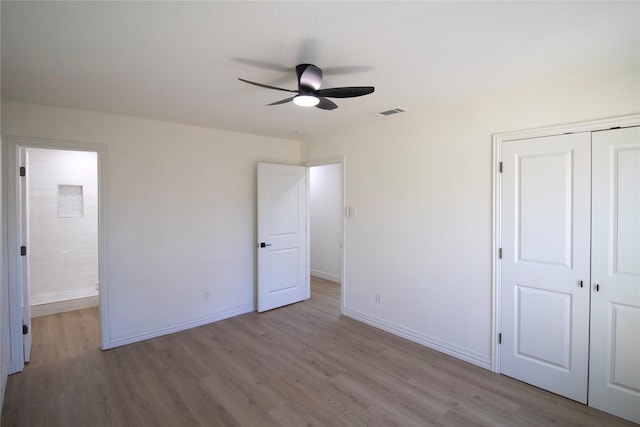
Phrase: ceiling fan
{"type": "Point", "coordinates": [309, 93]}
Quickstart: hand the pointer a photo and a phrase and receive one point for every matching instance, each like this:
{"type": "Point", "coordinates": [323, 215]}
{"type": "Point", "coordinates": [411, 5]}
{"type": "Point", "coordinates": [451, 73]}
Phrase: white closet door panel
{"type": "Point", "coordinates": [614, 379]}
{"type": "Point", "coordinates": [545, 245]}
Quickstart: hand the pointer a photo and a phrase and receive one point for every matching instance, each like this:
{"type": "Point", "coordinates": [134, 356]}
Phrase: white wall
{"type": "Point", "coordinates": [422, 185]}
{"type": "Point", "coordinates": [63, 251]}
{"type": "Point", "coordinates": [180, 219]}
{"type": "Point", "coordinates": [325, 197]}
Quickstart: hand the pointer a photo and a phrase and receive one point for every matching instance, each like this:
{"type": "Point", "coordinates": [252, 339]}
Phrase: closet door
{"type": "Point", "coordinates": [614, 374]}
{"type": "Point", "coordinates": [545, 226]}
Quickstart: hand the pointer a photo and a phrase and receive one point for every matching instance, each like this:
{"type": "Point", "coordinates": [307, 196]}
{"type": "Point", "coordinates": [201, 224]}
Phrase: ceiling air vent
{"type": "Point", "coordinates": [391, 112]}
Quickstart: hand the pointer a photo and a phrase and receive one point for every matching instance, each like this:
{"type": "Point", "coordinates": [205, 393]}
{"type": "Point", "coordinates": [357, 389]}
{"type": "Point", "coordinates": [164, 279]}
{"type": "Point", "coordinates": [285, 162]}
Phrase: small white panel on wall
{"type": "Point", "coordinates": [70, 201]}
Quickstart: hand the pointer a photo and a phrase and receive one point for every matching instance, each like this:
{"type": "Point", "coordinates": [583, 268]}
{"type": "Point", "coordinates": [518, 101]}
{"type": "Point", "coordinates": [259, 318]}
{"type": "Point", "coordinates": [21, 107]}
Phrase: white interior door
{"type": "Point", "coordinates": [614, 378]}
{"type": "Point", "coordinates": [545, 217]}
{"type": "Point", "coordinates": [283, 244]}
{"type": "Point", "coordinates": [23, 195]}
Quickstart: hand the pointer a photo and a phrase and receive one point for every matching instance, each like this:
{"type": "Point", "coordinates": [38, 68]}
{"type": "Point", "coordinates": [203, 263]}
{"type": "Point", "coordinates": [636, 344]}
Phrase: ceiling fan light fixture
{"type": "Point", "coordinates": [309, 93]}
{"type": "Point", "coordinates": [306, 100]}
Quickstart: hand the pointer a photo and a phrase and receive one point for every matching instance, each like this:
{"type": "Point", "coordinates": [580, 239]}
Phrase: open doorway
{"type": "Point", "coordinates": [62, 218]}
{"type": "Point", "coordinates": [55, 220]}
{"type": "Point", "coordinates": [326, 229]}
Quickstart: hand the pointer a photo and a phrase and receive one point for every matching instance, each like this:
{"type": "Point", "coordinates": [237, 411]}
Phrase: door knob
{"type": "Point", "coordinates": [263, 245]}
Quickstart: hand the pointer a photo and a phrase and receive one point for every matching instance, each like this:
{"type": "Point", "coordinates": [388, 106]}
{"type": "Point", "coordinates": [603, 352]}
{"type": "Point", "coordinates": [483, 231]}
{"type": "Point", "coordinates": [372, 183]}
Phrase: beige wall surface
{"type": "Point", "coordinates": [180, 214]}
{"type": "Point", "coordinates": [422, 182]}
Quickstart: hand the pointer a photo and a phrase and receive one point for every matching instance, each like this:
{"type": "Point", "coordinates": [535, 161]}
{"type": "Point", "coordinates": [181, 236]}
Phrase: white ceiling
{"type": "Point", "coordinates": [179, 61]}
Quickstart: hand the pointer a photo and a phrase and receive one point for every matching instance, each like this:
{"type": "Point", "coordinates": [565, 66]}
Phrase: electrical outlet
{"type": "Point", "coordinates": [378, 298]}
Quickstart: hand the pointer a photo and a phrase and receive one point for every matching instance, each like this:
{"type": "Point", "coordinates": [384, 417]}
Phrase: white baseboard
{"type": "Point", "coordinates": [153, 333]}
{"type": "Point", "coordinates": [63, 306]}
{"type": "Point", "coordinates": [68, 294]}
{"type": "Point", "coordinates": [327, 276]}
{"type": "Point", "coordinates": [444, 347]}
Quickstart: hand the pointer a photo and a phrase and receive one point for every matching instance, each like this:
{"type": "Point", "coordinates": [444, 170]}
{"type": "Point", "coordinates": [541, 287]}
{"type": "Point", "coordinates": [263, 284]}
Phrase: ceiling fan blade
{"type": "Point", "coordinates": [263, 64]}
{"type": "Point", "coordinates": [326, 104]}
{"type": "Point", "coordinates": [352, 69]}
{"type": "Point", "coordinates": [346, 92]}
{"type": "Point", "coordinates": [309, 76]}
{"type": "Point", "coordinates": [267, 86]}
{"type": "Point", "coordinates": [282, 101]}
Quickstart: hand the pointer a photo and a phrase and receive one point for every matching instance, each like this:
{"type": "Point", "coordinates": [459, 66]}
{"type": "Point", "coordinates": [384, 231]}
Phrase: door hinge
{"type": "Point", "coordinates": [500, 253]}
{"type": "Point", "coordinates": [23, 250]}
{"type": "Point", "coordinates": [500, 338]}
{"type": "Point", "coordinates": [500, 167]}
{"type": "Point", "coordinates": [25, 329]}
{"type": "Point", "coordinates": [23, 171]}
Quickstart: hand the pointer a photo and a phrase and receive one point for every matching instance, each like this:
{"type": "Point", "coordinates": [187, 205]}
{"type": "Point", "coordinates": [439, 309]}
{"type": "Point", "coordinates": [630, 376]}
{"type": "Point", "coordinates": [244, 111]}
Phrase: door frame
{"type": "Point", "coordinates": [22, 230]}
{"type": "Point", "coordinates": [12, 262]}
{"type": "Point", "coordinates": [498, 140]}
{"type": "Point", "coordinates": [333, 161]}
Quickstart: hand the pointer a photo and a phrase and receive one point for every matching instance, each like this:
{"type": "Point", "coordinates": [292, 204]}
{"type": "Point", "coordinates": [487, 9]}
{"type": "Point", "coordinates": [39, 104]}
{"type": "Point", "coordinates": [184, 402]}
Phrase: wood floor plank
{"type": "Point", "coordinates": [291, 413]}
{"type": "Point", "coordinates": [303, 364]}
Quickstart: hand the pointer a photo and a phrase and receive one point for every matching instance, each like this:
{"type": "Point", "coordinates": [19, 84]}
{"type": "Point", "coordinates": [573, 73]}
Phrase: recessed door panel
{"type": "Point", "coordinates": [625, 354]}
{"type": "Point", "coordinates": [281, 276]}
{"type": "Point", "coordinates": [626, 210]}
{"type": "Point", "coordinates": [544, 208]}
{"type": "Point", "coordinates": [544, 340]}
{"type": "Point", "coordinates": [283, 215]}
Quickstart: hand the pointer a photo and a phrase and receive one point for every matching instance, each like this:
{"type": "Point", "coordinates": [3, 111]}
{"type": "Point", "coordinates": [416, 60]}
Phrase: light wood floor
{"type": "Point", "coordinates": [301, 365]}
